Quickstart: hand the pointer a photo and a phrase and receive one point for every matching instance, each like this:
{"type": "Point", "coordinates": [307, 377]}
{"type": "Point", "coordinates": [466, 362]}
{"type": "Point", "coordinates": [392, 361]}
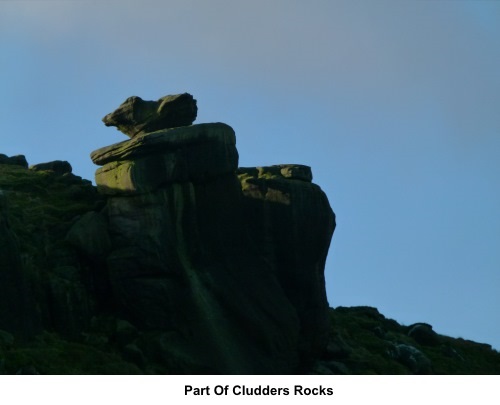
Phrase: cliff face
{"type": "Point", "coordinates": [214, 268]}
{"type": "Point", "coordinates": [226, 263]}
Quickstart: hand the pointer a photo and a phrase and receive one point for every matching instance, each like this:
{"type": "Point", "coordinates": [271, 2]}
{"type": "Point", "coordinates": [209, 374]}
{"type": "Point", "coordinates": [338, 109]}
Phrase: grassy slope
{"type": "Point", "coordinates": [364, 340]}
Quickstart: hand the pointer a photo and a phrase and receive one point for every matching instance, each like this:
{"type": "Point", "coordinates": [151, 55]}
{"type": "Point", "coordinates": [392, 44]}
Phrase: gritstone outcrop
{"type": "Point", "coordinates": [225, 264]}
{"type": "Point", "coordinates": [179, 261]}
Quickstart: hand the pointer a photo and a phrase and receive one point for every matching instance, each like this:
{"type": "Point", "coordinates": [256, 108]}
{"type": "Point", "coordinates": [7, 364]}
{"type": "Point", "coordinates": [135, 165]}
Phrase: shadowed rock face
{"type": "Point", "coordinates": [18, 160]}
{"type": "Point", "coordinates": [57, 166]}
{"type": "Point", "coordinates": [290, 220]}
{"type": "Point", "coordinates": [224, 264]}
{"type": "Point", "coordinates": [18, 312]}
{"type": "Point", "coordinates": [43, 281]}
{"type": "Point", "coordinates": [136, 116]}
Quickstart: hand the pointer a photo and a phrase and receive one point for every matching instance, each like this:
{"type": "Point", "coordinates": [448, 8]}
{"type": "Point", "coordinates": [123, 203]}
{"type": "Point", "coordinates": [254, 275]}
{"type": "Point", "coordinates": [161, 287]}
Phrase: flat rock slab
{"type": "Point", "coordinates": [164, 141]}
{"type": "Point", "coordinates": [290, 222]}
{"type": "Point", "coordinates": [146, 162]}
{"type": "Point", "coordinates": [136, 116]}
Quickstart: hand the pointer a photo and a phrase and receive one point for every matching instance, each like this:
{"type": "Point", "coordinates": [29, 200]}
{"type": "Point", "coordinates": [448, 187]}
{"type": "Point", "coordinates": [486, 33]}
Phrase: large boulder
{"type": "Point", "coordinates": [136, 116]}
{"type": "Point", "coordinates": [423, 334]}
{"type": "Point", "coordinates": [182, 264]}
{"type": "Point", "coordinates": [17, 160]}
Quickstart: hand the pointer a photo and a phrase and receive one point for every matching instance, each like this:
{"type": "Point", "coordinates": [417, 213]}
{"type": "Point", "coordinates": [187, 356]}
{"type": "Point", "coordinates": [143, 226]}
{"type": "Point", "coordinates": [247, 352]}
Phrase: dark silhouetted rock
{"type": "Point", "coordinates": [337, 349]}
{"type": "Point", "coordinates": [290, 221]}
{"type": "Point", "coordinates": [182, 263]}
{"type": "Point", "coordinates": [18, 312]}
{"type": "Point", "coordinates": [423, 334]}
{"type": "Point", "coordinates": [136, 116]}
{"type": "Point", "coordinates": [18, 160]}
{"type": "Point", "coordinates": [57, 166]}
{"type": "Point", "coordinates": [89, 235]}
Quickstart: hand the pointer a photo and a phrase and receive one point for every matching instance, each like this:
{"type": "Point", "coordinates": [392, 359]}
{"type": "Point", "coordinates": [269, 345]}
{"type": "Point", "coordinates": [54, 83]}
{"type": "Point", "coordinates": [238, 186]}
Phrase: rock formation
{"type": "Point", "coordinates": [18, 160]}
{"type": "Point", "coordinates": [290, 221]}
{"type": "Point", "coordinates": [136, 116]}
{"type": "Point", "coordinates": [185, 263]}
{"type": "Point", "coordinates": [227, 263]}
{"type": "Point", "coordinates": [56, 166]}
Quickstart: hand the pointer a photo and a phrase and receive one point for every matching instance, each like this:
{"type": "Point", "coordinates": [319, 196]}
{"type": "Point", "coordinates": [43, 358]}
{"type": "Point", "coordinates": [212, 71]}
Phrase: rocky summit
{"type": "Point", "coordinates": [181, 262]}
{"type": "Point", "coordinates": [136, 116]}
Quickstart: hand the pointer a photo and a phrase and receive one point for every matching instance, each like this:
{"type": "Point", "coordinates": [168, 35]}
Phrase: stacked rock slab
{"type": "Point", "coordinates": [223, 268]}
{"type": "Point", "coordinates": [136, 116]}
{"type": "Point", "coordinates": [175, 155]}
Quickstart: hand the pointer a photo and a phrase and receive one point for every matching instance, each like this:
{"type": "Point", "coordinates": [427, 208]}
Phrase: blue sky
{"type": "Point", "coordinates": [394, 104]}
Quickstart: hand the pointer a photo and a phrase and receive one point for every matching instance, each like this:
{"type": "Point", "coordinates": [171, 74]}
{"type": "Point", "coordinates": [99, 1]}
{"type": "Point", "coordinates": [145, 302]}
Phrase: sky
{"type": "Point", "coordinates": [394, 105]}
